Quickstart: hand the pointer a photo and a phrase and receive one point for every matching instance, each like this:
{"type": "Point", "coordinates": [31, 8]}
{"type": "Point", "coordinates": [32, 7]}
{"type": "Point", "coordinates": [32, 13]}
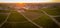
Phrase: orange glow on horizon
{"type": "Point", "coordinates": [20, 4]}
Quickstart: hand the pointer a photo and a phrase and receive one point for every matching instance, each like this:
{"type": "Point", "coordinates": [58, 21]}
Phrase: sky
{"type": "Point", "coordinates": [27, 1]}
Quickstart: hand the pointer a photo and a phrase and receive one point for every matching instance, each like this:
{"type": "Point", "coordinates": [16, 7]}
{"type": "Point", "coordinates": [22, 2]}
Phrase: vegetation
{"type": "Point", "coordinates": [17, 20]}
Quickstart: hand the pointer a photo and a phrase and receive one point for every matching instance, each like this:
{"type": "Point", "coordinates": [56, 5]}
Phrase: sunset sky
{"type": "Point", "coordinates": [27, 1]}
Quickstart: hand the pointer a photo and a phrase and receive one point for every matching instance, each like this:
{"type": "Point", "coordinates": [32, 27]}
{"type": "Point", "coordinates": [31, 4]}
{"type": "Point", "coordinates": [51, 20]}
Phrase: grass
{"type": "Point", "coordinates": [2, 17]}
{"type": "Point", "coordinates": [32, 14]}
{"type": "Point", "coordinates": [19, 25]}
{"type": "Point", "coordinates": [4, 11]}
{"type": "Point", "coordinates": [17, 17]}
{"type": "Point", "coordinates": [57, 18]}
{"type": "Point", "coordinates": [46, 22]}
{"type": "Point", "coordinates": [52, 11]}
{"type": "Point", "coordinates": [43, 20]}
{"type": "Point", "coordinates": [36, 11]}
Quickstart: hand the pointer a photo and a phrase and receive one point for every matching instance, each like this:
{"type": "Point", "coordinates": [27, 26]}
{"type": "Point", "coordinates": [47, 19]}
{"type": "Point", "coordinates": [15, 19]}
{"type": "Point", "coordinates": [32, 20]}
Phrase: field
{"type": "Point", "coordinates": [41, 18]}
